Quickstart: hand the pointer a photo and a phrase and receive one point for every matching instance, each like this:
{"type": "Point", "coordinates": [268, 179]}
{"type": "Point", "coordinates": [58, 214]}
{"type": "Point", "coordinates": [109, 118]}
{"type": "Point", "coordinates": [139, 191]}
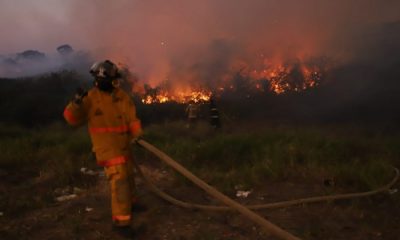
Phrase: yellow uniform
{"type": "Point", "coordinates": [112, 123]}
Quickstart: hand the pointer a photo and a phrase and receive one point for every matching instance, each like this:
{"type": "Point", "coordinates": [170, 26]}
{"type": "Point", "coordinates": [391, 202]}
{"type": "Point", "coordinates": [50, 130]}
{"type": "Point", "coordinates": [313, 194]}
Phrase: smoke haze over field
{"type": "Point", "coordinates": [194, 39]}
{"type": "Point", "coordinates": [205, 42]}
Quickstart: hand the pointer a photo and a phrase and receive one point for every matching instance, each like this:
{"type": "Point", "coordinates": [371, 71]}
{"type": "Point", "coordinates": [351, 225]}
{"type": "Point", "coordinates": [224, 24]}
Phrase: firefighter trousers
{"type": "Point", "coordinates": [122, 188]}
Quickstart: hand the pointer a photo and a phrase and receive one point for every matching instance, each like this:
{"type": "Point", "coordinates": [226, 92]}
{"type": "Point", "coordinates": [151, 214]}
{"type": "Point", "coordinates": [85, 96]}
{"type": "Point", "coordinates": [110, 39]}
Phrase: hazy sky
{"type": "Point", "coordinates": [158, 35]}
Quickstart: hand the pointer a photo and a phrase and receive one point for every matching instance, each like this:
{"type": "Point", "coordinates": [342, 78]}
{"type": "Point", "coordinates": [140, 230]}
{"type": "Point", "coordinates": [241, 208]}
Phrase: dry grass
{"type": "Point", "coordinates": [355, 157]}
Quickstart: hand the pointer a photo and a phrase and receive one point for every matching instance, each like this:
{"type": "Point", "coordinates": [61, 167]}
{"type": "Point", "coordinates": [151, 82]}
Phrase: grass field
{"type": "Point", "coordinates": [246, 155]}
{"type": "Point", "coordinates": [350, 154]}
{"type": "Point", "coordinates": [273, 158]}
{"type": "Point", "coordinates": [351, 157]}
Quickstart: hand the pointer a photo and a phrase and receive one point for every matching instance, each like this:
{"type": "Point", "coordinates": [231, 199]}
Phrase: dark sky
{"type": "Point", "coordinates": [156, 36]}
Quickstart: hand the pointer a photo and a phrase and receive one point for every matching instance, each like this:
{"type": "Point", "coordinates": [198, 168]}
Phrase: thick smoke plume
{"type": "Point", "coordinates": [196, 41]}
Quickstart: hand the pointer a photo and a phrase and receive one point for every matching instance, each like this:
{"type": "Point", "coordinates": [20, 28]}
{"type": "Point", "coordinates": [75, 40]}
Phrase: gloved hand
{"type": "Point", "coordinates": [79, 95]}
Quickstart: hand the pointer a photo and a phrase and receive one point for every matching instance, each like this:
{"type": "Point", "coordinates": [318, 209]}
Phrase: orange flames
{"type": "Point", "coordinates": [285, 77]}
{"type": "Point", "coordinates": [180, 97]}
{"type": "Point", "coordinates": [278, 78]}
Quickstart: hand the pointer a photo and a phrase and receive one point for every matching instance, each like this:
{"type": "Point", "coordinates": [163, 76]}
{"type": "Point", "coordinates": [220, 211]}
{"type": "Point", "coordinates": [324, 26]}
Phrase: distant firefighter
{"type": "Point", "coordinates": [112, 124]}
{"type": "Point", "coordinates": [214, 114]}
{"type": "Point", "coordinates": [192, 112]}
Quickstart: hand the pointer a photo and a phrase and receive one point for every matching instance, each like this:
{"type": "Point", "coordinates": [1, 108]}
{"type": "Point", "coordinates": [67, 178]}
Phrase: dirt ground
{"type": "Point", "coordinates": [88, 215]}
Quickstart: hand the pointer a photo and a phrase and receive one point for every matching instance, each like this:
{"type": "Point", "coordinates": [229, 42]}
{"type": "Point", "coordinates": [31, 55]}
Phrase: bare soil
{"type": "Point", "coordinates": [88, 215]}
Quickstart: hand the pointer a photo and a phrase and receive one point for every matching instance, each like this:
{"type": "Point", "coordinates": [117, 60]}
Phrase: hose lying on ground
{"type": "Point", "coordinates": [266, 225]}
{"type": "Point", "coordinates": [232, 205]}
{"type": "Point", "coordinates": [281, 204]}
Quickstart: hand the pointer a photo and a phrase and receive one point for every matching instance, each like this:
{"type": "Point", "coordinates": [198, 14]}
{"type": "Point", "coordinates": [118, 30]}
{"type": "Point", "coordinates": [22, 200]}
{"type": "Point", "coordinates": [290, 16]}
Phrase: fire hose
{"type": "Point", "coordinates": [246, 210]}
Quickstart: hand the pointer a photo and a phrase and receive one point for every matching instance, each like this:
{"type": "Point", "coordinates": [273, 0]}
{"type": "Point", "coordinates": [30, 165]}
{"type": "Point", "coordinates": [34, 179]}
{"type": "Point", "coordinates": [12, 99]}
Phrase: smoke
{"type": "Point", "coordinates": [33, 62]}
{"type": "Point", "coordinates": [196, 41]}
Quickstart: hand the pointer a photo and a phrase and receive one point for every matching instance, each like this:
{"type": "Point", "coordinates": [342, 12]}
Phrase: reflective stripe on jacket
{"type": "Point", "coordinates": [112, 123]}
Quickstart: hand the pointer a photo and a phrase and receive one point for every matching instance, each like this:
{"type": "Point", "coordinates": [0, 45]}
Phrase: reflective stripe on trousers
{"type": "Point", "coordinates": [113, 161]}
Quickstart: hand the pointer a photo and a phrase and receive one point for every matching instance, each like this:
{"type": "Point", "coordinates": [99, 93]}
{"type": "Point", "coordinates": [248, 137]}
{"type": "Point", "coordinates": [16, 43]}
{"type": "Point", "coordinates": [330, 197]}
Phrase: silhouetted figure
{"type": "Point", "coordinates": [214, 114]}
{"type": "Point", "coordinates": [192, 112]}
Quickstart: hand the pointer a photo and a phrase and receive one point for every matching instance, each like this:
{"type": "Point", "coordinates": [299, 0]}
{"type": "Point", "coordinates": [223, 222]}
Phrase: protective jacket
{"type": "Point", "coordinates": [192, 110]}
{"type": "Point", "coordinates": [112, 123]}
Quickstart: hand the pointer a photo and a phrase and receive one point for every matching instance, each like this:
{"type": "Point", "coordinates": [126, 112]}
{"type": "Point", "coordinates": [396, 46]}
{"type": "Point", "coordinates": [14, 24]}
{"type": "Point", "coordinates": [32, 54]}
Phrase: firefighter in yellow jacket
{"type": "Point", "coordinates": [112, 124]}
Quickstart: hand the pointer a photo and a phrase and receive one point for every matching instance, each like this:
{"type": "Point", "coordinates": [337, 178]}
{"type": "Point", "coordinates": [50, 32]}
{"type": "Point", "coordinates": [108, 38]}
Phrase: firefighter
{"type": "Point", "coordinates": [214, 114]}
{"type": "Point", "coordinates": [112, 124]}
{"type": "Point", "coordinates": [192, 111]}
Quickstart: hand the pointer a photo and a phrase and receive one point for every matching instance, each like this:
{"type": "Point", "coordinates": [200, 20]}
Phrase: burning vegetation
{"type": "Point", "coordinates": [159, 95]}
{"type": "Point", "coordinates": [277, 77]}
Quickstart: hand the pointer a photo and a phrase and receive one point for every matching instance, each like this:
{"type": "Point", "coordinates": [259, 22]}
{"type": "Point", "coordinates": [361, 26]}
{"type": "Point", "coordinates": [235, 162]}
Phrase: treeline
{"type": "Point", "coordinates": [361, 94]}
{"type": "Point", "coordinates": [36, 100]}
{"type": "Point", "coordinates": [40, 100]}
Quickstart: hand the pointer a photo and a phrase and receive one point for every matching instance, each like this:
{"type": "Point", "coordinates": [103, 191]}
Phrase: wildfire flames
{"type": "Point", "coordinates": [276, 78]}
{"type": "Point", "coordinates": [180, 97]}
{"type": "Point", "coordinates": [290, 78]}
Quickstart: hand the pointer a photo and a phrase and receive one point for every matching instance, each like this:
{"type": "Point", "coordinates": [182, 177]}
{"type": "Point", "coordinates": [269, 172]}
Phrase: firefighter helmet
{"type": "Point", "coordinates": [105, 69]}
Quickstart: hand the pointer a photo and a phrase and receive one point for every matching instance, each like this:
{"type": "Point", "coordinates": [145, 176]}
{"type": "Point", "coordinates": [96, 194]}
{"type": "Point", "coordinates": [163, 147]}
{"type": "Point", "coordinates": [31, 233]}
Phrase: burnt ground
{"type": "Point", "coordinates": [88, 215]}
